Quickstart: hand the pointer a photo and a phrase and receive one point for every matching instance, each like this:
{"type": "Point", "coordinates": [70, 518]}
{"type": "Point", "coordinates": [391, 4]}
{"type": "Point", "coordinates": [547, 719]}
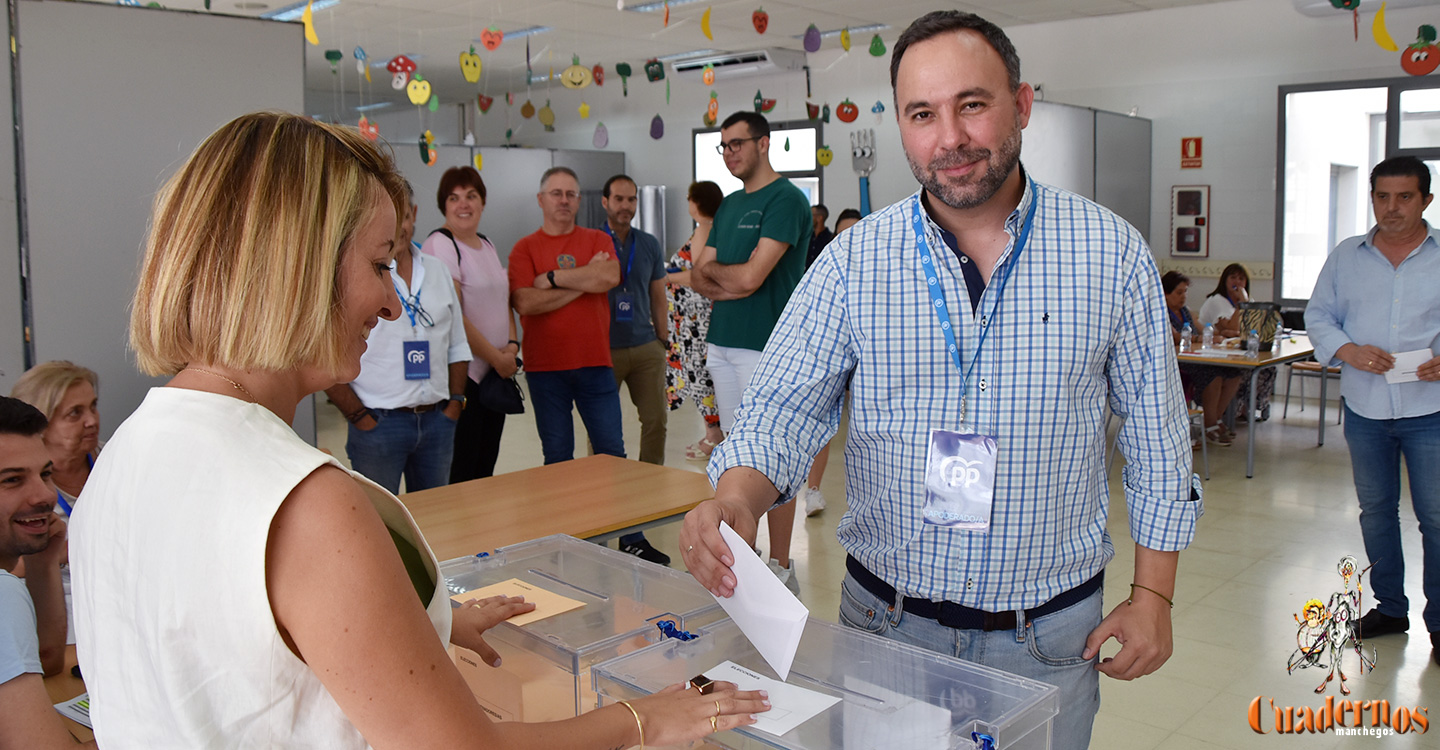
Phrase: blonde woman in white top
{"type": "Point", "coordinates": [234, 586]}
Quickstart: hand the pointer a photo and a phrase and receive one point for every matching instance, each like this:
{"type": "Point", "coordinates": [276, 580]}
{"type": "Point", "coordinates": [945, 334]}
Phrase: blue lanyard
{"type": "Point", "coordinates": [60, 496]}
{"type": "Point", "coordinates": [631, 260]}
{"type": "Point", "coordinates": [937, 295]}
{"type": "Point", "coordinates": [405, 302]}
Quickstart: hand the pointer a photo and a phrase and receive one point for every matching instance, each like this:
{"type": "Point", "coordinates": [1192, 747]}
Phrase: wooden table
{"type": "Point", "coordinates": [1287, 349]}
{"type": "Point", "coordinates": [64, 686]}
{"type": "Point", "coordinates": [596, 498]}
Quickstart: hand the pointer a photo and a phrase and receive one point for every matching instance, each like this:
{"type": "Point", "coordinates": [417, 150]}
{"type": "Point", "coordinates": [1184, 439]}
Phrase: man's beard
{"type": "Point", "coordinates": [977, 193]}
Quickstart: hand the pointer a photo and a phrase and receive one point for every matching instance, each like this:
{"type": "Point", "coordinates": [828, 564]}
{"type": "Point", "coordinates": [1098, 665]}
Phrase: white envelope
{"type": "Point", "coordinates": [765, 611]}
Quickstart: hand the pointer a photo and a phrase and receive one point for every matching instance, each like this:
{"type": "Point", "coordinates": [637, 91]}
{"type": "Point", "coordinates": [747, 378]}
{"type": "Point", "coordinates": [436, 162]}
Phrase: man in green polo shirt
{"type": "Point", "coordinates": [751, 264]}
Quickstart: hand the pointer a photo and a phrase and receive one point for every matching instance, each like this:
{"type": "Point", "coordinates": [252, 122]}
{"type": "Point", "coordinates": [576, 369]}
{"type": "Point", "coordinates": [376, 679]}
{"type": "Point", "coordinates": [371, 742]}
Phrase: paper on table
{"type": "Point", "coordinates": [547, 603]}
{"type": "Point", "coordinates": [790, 706]}
{"type": "Point", "coordinates": [764, 610]}
{"type": "Point", "coordinates": [77, 709]}
{"type": "Point", "coordinates": [1406, 363]}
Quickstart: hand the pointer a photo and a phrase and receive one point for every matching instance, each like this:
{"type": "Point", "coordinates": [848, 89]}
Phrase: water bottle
{"type": "Point", "coordinates": [1252, 345]}
{"type": "Point", "coordinates": [1187, 340]}
{"type": "Point", "coordinates": [1207, 341]}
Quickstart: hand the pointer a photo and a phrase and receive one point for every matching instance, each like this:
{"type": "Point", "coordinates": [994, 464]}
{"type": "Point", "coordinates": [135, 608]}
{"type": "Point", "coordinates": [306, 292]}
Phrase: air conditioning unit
{"type": "Point", "coordinates": [741, 64]}
{"type": "Point", "coordinates": [1321, 8]}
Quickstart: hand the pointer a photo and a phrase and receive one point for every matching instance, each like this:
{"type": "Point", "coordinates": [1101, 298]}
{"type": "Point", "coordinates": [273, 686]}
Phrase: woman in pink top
{"type": "Point", "coordinates": [485, 299]}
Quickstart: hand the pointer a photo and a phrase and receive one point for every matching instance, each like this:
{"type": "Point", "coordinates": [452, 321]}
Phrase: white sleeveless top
{"type": "Point", "coordinates": [174, 630]}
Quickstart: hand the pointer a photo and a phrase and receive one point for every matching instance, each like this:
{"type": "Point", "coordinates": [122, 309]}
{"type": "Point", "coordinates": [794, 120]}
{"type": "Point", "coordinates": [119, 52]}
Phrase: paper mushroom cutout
{"type": "Point", "coordinates": [401, 66]}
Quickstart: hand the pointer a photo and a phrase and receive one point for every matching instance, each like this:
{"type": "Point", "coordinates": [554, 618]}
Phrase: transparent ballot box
{"type": "Point", "coordinates": [545, 664]}
{"type": "Point", "coordinates": [891, 695]}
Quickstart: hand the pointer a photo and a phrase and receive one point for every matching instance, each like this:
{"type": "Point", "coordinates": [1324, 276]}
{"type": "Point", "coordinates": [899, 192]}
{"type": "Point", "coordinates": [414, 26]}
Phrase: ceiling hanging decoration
{"type": "Point", "coordinates": [657, 128]}
{"type": "Point", "coordinates": [823, 156]}
{"type": "Point", "coordinates": [877, 46]}
{"type": "Point", "coordinates": [601, 138]}
{"type": "Point", "coordinates": [1382, 34]}
{"type": "Point", "coordinates": [712, 111]}
{"type": "Point", "coordinates": [705, 25]}
{"type": "Point", "coordinates": [1354, 7]}
{"type": "Point", "coordinates": [760, 20]}
{"type": "Point", "coordinates": [576, 76]}
{"type": "Point", "coordinates": [623, 70]}
{"type": "Point", "coordinates": [812, 39]}
{"type": "Point", "coordinates": [762, 104]}
{"type": "Point", "coordinates": [845, 39]}
{"type": "Point", "coordinates": [308, 20]}
{"type": "Point", "coordinates": [847, 111]}
{"type": "Point", "coordinates": [362, 62]}
{"type": "Point", "coordinates": [491, 38]}
{"type": "Point", "coordinates": [1422, 56]}
{"type": "Point", "coordinates": [401, 66]}
{"type": "Point", "coordinates": [470, 65]}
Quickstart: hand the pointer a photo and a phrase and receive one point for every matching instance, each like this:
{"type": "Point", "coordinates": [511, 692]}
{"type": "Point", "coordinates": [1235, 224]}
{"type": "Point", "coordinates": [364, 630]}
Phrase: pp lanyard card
{"type": "Point", "coordinates": [959, 480]}
{"type": "Point", "coordinates": [624, 307]}
{"type": "Point", "coordinates": [417, 360]}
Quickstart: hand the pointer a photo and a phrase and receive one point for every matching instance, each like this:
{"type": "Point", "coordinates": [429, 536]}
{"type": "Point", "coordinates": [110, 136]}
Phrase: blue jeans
{"type": "Point", "coordinates": [418, 445]}
{"type": "Point", "coordinates": [1376, 446]}
{"type": "Point", "coordinates": [1047, 649]}
{"type": "Point", "coordinates": [594, 392]}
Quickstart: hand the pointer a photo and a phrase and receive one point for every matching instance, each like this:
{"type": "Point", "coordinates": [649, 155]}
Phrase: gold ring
{"type": "Point", "coordinates": [717, 709]}
{"type": "Point", "coordinates": [714, 726]}
{"type": "Point", "coordinates": [1369, 362]}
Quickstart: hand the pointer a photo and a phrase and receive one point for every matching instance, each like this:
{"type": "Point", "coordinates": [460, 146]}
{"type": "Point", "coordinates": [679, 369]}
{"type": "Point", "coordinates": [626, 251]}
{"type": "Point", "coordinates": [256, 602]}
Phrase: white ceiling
{"type": "Point", "coordinates": [440, 30]}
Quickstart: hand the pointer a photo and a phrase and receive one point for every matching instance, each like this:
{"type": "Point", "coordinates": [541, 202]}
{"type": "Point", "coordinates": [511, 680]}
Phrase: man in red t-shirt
{"type": "Point", "coordinates": [559, 279]}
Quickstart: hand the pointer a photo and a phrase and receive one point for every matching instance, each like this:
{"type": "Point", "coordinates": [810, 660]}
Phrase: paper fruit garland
{"type": "Point", "coordinates": [657, 128]}
{"type": "Point", "coordinates": [602, 136]}
{"type": "Point", "coordinates": [527, 110]}
{"type": "Point", "coordinates": [598, 74]}
{"type": "Point", "coordinates": [334, 56]}
{"type": "Point", "coordinates": [762, 104]}
{"type": "Point", "coordinates": [576, 76]}
{"type": "Point", "coordinates": [418, 90]}
{"type": "Point", "coordinates": [402, 67]}
{"type": "Point", "coordinates": [761, 20]}
{"type": "Point", "coordinates": [370, 130]}
{"type": "Point", "coordinates": [479, 162]}
{"type": "Point", "coordinates": [824, 156]}
{"type": "Point", "coordinates": [845, 39]}
{"type": "Point", "coordinates": [623, 70]}
{"type": "Point", "coordinates": [584, 111]}
{"type": "Point", "coordinates": [491, 38]}
{"type": "Point", "coordinates": [362, 62]}
{"type": "Point", "coordinates": [1382, 34]}
{"type": "Point", "coordinates": [470, 65]}
{"type": "Point", "coordinates": [708, 76]}
{"type": "Point", "coordinates": [847, 111]}
{"type": "Point", "coordinates": [812, 39]}
{"type": "Point", "coordinates": [825, 113]}
{"type": "Point", "coordinates": [1422, 56]}
{"type": "Point", "coordinates": [484, 102]}
{"type": "Point", "coordinates": [712, 111]}
{"type": "Point", "coordinates": [428, 154]}
{"type": "Point", "coordinates": [705, 25]}
{"type": "Point", "coordinates": [812, 111]}
{"type": "Point", "coordinates": [877, 46]}
{"type": "Point", "coordinates": [654, 70]}
{"type": "Point", "coordinates": [547, 117]}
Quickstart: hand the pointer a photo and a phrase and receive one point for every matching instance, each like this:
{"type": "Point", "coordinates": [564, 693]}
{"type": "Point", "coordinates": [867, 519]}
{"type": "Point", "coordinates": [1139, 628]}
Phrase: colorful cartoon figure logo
{"type": "Point", "coordinates": [1325, 629]}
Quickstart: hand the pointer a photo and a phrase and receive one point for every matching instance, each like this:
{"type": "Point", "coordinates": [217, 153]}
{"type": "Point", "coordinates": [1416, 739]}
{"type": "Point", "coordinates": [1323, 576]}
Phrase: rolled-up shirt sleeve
{"type": "Point", "coordinates": [1145, 390]}
{"type": "Point", "coordinates": [792, 405]}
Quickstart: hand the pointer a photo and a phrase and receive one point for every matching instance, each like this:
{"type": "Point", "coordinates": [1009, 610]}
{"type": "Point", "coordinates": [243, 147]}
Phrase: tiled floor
{"type": "Point", "coordinates": [1265, 546]}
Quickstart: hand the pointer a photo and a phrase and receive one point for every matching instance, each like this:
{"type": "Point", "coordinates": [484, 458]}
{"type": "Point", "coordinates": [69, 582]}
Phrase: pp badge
{"type": "Point", "coordinates": [417, 360]}
{"type": "Point", "coordinates": [959, 480]}
{"type": "Point", "coordinates": [624, 307]}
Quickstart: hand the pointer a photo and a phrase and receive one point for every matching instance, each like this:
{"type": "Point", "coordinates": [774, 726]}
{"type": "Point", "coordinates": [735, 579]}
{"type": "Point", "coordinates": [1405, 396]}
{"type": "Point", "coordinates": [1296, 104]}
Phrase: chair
{"type": "Point", "coordinates": [1309, 368]}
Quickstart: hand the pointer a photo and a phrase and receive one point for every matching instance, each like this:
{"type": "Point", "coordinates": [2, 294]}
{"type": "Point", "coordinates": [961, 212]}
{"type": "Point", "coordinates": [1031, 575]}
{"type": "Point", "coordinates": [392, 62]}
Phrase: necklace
{"type": "Point", "coordinates": [238, 387]}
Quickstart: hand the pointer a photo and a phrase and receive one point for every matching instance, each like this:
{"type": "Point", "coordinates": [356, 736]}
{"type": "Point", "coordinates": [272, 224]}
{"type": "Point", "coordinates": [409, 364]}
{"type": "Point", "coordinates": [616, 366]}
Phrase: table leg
{"type": "Point", "coordinates": [1323, 373]}
{"type": "Point", "coordinates": [1254, 425]}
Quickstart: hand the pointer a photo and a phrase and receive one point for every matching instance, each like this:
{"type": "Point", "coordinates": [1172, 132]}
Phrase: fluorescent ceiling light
{"type": "Point", "coordinates": [688, 55]}
{"type": "Point", "coordinates": [527, 31]}
{"type": "Point", "coordinates": [376, 105]}
{"type": "Point", "coordinates": [294, 11]}
{"type": "Point", "coordinates": [652, 7]}
{"type": "Point", "coordinates": [853, 30]}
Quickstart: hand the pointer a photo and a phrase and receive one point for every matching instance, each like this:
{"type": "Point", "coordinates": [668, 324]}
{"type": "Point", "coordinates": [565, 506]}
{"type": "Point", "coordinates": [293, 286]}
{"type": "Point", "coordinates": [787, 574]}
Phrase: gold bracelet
{"type": "Point", "coordinates": [638, 726]}
{"type": "Point", "coordinates": [1167, 599]}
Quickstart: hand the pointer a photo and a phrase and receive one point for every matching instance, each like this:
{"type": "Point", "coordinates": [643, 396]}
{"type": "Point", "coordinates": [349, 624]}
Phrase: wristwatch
{"type": "Point", "coordinates": [551, 276]}
{"type": "Point", "coordinates": [460, 398]}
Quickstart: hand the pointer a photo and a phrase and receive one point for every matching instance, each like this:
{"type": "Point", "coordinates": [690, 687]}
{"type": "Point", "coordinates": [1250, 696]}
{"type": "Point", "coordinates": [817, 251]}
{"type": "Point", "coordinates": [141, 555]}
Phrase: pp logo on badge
{"type": "Point", "coordinates": [957, 473]}
{"type": "Point", "coordinates": [623, 306]}
{"type": "Point", "coordinates": [416, 357]}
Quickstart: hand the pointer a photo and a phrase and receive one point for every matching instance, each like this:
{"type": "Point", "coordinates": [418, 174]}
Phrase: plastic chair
{"type": "Point", "coordinates": [1311, 369]}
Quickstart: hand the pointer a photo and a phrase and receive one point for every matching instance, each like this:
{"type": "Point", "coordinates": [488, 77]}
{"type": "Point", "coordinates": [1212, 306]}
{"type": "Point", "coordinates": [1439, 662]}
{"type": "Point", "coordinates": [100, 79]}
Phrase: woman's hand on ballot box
{"type": "Point", "coordinates": [473, 618]}
{"type": "Point", "coordinates": [680, 713]}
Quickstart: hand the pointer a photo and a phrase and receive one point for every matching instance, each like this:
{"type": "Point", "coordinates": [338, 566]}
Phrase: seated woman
{"type": "Point", "coordinates": [1222, 309]}
{"type": "Point", "coordinates": [66, 394]}
{"type": "Point", "coordinates": [234, 586]}
{"type": "Point", "coordinates": [1215, 385]}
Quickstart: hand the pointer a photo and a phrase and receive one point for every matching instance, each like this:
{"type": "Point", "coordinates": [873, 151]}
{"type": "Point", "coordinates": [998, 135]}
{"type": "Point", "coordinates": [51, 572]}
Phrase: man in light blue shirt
{"type": "Point", "coordinates": [1376, 313]}
{"type": "Point", "coordinates": [975, 472]}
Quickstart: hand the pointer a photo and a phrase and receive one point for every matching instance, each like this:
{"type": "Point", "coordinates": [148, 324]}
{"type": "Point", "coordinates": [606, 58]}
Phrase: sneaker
{"type": "Point", "coordinates": [1216, 435]}
{"type": "Point", "coordinates": [786, 575]}
{"type": "Point", "coordinates": [644, 551]}
{"type": "Point", "coordinates": [813, 500]}
{"type": "Point", "coordinates": [1376, 623]}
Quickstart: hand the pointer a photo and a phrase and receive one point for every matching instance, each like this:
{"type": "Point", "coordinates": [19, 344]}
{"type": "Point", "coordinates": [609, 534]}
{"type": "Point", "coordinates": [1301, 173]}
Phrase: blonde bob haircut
{"type": "Point", "coordinates": [44, 385]}
{"type": "Point", "coordinates": [242, 264]}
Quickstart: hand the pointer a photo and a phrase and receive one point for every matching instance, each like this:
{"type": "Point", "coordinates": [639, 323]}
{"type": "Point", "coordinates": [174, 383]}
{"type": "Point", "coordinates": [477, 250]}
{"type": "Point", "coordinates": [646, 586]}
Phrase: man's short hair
{"type": "Point", "coordinates": [945, 21]}
{"type": "Point", "coordinates": [605, 191]}
{"type": "Point", "coordinates": [822, 209]}
{"type": "Point", "coordinates": [455, 177]}
{"type": "Point", "coordinates": [849, 213]}
{"type": "Point", "coordinates": [1172, 280]}
{"type": "Point", "coordinates": [759, 126]}
{"type": "Point", "coordinates": [551, 172]}
{"type": "Point", "coordinates": [1402, 166]}
{"type": "Point", "coordinates": [20, 418]}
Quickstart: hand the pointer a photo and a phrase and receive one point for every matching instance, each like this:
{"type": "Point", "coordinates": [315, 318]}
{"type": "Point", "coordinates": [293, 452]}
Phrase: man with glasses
{"type": "Point", "coordinates": [560, 277]}
{"type": "Point", "coordinates": [403, 407]}
{"type": "Point", "coordinates": [978, 521]}
{"type": "Point", "coordinates": [754, 258]}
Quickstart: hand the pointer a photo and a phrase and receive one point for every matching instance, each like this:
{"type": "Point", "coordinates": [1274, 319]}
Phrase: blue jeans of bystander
{"type": "Point", "coordinates": [418, 445]}
{"type": "Point", "coordinates": [594, 393]}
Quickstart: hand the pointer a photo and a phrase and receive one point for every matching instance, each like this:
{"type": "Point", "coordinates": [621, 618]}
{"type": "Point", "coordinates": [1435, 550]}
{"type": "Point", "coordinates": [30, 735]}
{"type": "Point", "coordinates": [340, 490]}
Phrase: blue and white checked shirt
{"type": "Point", "coordinates": [1082, 319]}
{"type": "Point", "coordinates": [1361, 298]}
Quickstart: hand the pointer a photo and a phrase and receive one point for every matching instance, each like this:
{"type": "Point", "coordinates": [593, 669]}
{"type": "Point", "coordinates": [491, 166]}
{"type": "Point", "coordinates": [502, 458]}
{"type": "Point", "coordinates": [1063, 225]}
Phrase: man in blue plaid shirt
{"type": "Point", "coordinates": [975, 468]}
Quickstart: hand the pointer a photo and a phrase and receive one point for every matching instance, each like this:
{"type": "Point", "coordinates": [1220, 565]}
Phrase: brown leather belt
{"type": "Point", "coordinates": [421, 409]}
{"type": "Point", "coordinates": [961, 617]}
